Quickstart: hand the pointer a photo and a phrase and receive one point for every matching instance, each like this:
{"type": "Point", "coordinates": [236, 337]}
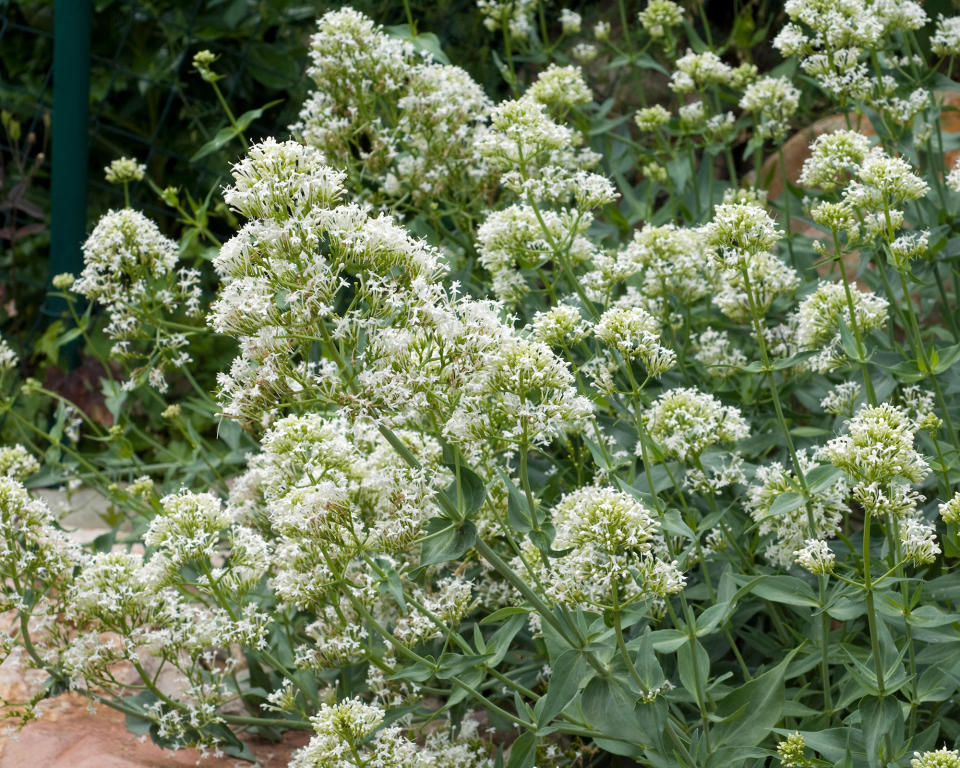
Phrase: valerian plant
{"type": "Point", "coordinates": [563, 442]}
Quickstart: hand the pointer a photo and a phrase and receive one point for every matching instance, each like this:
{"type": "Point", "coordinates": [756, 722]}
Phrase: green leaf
{"type": "Point", "coordinates": [693, 669]}
{"type": "Point", "coordinates": [666, 640]}
{"type": "Point", "coordinates": [751, 711]}
{"type": "Point", "coordinates": [217, 142]}
{"type": "Point", "coordinates": [523, 751]}
{"type": "Point", "coordinates": [810, 432]}
{"type": "Point", "coordinates": [646, 662]}
{"type": "Point", "coordinates": [822, 477]}
{"type": "Point", "coordinates": [880, 719]}
{"type": "Point", "coordinates": [453, 664]}
{"type": "Point", "coordinates": [425, 41]}
{"type": "Point", "coordinates": [49, 343]}
{"type": "Point", "coordinates": [140, 726]}
{"type": "Point", "coordinates": [467, 491]}
{"type": "Point", "coordinates": [571, 671]}
{"type": "Point", "coordinates": [392, 584]}
{"type": "Point", "coordinates": [243, 122]}
{"type": "Point", "coordinates": [788, 590]}
{"type": "Point", "coordinates": [225, 134]}
{"type": "Point", "coordinates": [947, 357]}
{"type": "Point", "coordinates": [849, 342]}
{"type": "Point", "coordinates": [114, 396]}
{"type": "Point", "coordinates": [785, 503]}
{"type": "Point", "coordinates": [503, 613]}
{"type": "Point", "coordinates": [446, 541]}
{"type": "Point", "coordinates": [518, 511]}
{"type": "Point", "coordinates": [611, 709]}
{"type": "Point", "coordinates": [712, 618]}
{"type": "Point", "coordinates": [501, 640]}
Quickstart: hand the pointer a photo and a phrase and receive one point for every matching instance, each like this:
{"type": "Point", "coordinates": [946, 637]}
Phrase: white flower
{"type": "Point", "coordinates": [907, 247]}
{"type": "Point", "coordinates": [714, 350]}
{"type": "Point", "coordinates": [878, 447]}
{"type": "Point", "coordinates": [697, 70]}
{"type": "Point", "coordinates": [946, 38]}
{"type": "Point", "coordinates": [841, 399]}
{"type": "Point", "coordinates": [17, 462]}
{"type": "Point", "coordinates": [791, 530]}
{"type": "Point", "coordinates": [660, 16]}
{"type": "Point", "coordinates": [774, 100]}
{"type": "Point", "coordinates": [559, 88]}
{"type": "Point", "coordinates": [918, 539]}
{"type": "Point", "coordinates": [559, 326]}
{"type": "Point", "coordinates": [635, 333]}
{"type": "Point", "coordinates": [685, 422]}
{"type": "Point", "coordinates": [8, 358]}
{"type": "Point", "coordinates": [188, 527]}
{"type": "Point", "coordinates": [950, 510]}
{"type": "Point", "coordinates": [124, 170]}
{"type": "Point", "coordinates": [832, 156]}
{"type": "Point", "coordinates": [819, 315]}
{"type": "Point", "coordinates": [740, 231]}
{"type": "Point", "coordinates": [570, 21]}
{"type": "Point", "coordinates": [815, 556]}
{"type": "Point", "coordinates": [941, 758]}
{"type": "Point", "coordinates": [651, 118]}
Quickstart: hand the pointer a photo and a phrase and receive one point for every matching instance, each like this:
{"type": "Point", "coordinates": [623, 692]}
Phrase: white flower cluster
{"type": "Point", "coordinates": [790, 532]}
{"type": "Point", "coordinates": [751, 277]}
{"type": "Point", "coordinates": [840, 400]}
{"type": "Point", "coordinates": [538, 160]}
{"type": "Point", "coordinates": [878, 455]}
{"type": "Point", "coordinates": [34, 552]}
{"type": "Point", "coordinates": [130, 268]}
{"type": "Point", "coordinates": [351, 734]}
{"type": "Point", "coordinates": [17, 462]}
{"type": "Point", "coordinates": [685, 422]}
{"type": "Point", "coordinates": [383, 110]}
{"type": "Point", "coordinates": [660, 17]}
{"type": "Point", "coordinates": [123, 170]}
{"type": "Point", "coordinates": [715, 350]}
{"type": "Point", "coordinates": [840, 35]}
{"type": "Point", "coordinates": [635, 334]}
{"type": "Point", "coordinates": [774, 101]}
{"type": "Point", "coordinates": [516, 16]}
{"type": "Point", "coordinates": [876, 185]}
{"type": "Point", "coordinates": [819, 315]}
{"type": "Point", "coordinates": [946, 38]}
{"type": "Point", "coordinates": [610, 541]}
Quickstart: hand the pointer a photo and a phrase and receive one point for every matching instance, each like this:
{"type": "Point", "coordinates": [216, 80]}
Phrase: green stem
{"type": "Point", "coordinates": [871, 610]}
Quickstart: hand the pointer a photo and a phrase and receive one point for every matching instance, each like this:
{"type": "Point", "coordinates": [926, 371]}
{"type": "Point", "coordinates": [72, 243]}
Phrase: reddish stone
{"type": "Point", "coordinates": [797, 148]}
{"type": "Point", "coordinates": [70, 736]}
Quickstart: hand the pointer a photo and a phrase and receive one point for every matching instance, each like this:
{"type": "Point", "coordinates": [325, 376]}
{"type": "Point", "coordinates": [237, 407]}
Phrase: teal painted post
{"type": "Point", "coordinates": [71, 108]}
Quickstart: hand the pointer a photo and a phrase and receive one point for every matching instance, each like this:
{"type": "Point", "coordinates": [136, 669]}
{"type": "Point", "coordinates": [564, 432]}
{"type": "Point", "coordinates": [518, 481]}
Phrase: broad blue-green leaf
{"type": "Point", "coordinates": [445, 540]}
{"type": "Point", "coordinates": [523, 751]}
{"type": "Point", "coordinates": [881, 720]}
{"type": "Point", "coordinates": [500, 641]}
{"type": "Point", "coordinates": [467, 491]}
{"type": "Point", "coordinates": [425, 41]}
{"type": "Point", "coordinates": [788, 590]}
{"type": "Point", "coordinates": [570, 672]}
{"type": "Point", "coordinates": [752, 710]}
{"type": "Point", "coordinates": [785, 503]}
{"type": "Point", "coordinates": [610, 708]}
{"type": "Point", "coordinates": [822, 477]}
{"type": "Point", "coordinates": [693, 669]}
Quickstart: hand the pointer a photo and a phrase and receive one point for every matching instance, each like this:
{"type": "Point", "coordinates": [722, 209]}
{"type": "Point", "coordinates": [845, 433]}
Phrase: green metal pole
{"type": "Point", "coordinates": [71, 108]}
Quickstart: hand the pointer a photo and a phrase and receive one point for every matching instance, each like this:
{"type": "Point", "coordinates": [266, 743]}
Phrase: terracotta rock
{"type": "Point", "coordinates": [796, 149]}
{"type": "Point", "coordinates": [70, 736]}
